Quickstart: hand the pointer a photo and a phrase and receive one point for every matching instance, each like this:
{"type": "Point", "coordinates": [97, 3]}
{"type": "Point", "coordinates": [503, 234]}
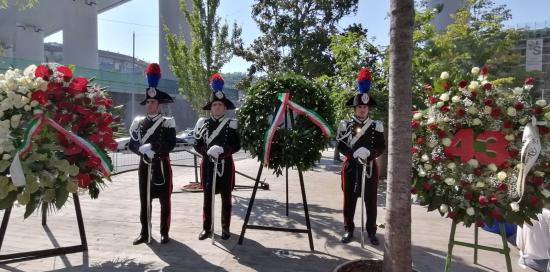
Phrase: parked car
{"type": "Point", "coordinates": [185, 137]}
{"type": "Point", "coordinates": [122, 143]}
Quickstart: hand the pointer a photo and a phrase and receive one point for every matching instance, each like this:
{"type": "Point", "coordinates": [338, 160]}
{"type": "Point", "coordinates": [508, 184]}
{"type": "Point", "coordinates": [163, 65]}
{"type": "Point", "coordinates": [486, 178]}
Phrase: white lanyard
{"type": "Point", "coordinates": [217, 131]}
{"type": "Point", "coordinates": [361, 132]}
{"type": "Point", "coordinates": [151, 130]}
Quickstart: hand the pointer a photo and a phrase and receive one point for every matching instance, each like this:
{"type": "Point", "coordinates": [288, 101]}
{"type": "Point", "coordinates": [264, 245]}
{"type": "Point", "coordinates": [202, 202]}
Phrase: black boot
{"type": "Point", "coordinates": [142, 238]}
{"type": "Point", "coordinates": [205, 234]}
{"type": "Point", "coordinates": [373, 239]}
{"type": "Point", "coordinates": [164, 238]}
{"type": "Point", "coordinates": [225, 234]}
{"type": "Point", "coordinates": [347, 237]}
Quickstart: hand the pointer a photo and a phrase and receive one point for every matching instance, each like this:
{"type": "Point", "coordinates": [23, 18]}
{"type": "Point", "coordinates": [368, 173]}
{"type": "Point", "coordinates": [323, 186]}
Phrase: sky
{"type": "Point", "coordinates": [115, 27]}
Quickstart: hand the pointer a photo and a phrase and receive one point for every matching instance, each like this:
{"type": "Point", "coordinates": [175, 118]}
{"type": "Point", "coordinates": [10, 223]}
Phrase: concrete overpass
{"type": "Point", "coordinates": [22, 35]}
{"type": "Point", "coordinates": [22, 32]}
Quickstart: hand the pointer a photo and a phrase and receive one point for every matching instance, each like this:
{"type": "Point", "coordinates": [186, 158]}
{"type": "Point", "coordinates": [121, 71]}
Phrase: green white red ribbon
{"type": "Point", "coordinates": [313, 116]}
{"type": "Point", "coordinates": [34, 127]}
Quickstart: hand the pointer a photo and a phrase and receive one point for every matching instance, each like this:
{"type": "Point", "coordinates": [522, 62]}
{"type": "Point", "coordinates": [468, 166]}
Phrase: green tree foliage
{"type": "Point", "coordinates": [295, 35]}
{"type": "Point", "coordinates": [211, 47]}
{"type": "Point", "coordinates": [477, 37]}
{"type": "Point", "coordinates": [351, 50]}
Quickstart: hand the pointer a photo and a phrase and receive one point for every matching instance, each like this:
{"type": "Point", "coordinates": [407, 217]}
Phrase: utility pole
{"type": "Point", "coordinates": [133, 91]}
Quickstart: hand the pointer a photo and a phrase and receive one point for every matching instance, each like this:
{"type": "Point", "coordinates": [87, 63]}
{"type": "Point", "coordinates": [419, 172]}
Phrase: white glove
{"type": "Point", "coordinates": [215, 151]}
{"type": "Point", "coordinates": [150, 154]}
{"type": "Point", "coordinates": [361, 153]}
{"type": "Point", "coordinates": [144, 148]}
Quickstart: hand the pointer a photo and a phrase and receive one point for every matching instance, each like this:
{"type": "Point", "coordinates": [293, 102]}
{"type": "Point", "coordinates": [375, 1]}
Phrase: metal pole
{"type": "Point", "coordinates": [448, 259]}
{"type": "Point", "coordinates": [149, 224]}
{"type": "Point", "coordinates": [44, 213]}
{"type": "Point", "coordinates": [306, 211]}
{"type": "Point", "coordinates": [133, 53]}
{"type": "Point", "coordinates": [212, 215]}
{"type": "Point", "coordinates": [363, 203]}
{"type": "Point", "coordinates": [195, 166]}
{"type": "Point", "coordinates": [133, 112]}
{"type": "Point", "coordinates": [80, 221]}
{"type": "Point", "coordinates": [4, 226]}
{"type": "Point", "coordinates": [250, 204]}
{"type": "Point", "coordinates": [286, 168]}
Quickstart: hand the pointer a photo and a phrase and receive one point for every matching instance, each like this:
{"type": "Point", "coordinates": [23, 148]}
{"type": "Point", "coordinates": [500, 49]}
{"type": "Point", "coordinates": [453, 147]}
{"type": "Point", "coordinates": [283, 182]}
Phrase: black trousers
{"type": "Point", "coordinates": [207, 209]}
{"type": "Point", "coordinates": [351, 185]}
{"type": "Point", "coordinates": [224, 186]}
{"type": "Point", "coordinates": [163, 192]}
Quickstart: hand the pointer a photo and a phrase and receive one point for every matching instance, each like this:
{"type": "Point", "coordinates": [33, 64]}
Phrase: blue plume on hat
{"type": "Point", "coordinates": [153, 74]}
{"type": "Point", "coordinates": [216, 82]}
{"type": "Point", "coordinates": [364, 80]}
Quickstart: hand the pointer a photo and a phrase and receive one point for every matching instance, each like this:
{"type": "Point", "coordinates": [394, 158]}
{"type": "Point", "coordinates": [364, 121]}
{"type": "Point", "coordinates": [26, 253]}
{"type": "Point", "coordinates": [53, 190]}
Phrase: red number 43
{"type": "Point", "coordinates": [488, 147]}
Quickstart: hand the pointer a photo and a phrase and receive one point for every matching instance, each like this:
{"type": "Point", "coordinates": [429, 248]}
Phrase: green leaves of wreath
{"type": "Point", "coordinates": [301, 144]}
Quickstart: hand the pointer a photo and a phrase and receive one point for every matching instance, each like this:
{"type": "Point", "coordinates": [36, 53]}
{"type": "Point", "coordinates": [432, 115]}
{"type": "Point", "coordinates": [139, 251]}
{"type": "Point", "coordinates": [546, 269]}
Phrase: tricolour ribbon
{"type": "Point", "coordinates": [33, 128]}
{"type": "Point", "coordinates": [313, 116]}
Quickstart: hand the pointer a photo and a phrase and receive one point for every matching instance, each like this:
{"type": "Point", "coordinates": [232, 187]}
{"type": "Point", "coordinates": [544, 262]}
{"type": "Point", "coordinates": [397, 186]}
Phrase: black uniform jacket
{"type": "Point", "coordinates": [160, 132]}
{"type": "Point", "coordinates": [207, 135]}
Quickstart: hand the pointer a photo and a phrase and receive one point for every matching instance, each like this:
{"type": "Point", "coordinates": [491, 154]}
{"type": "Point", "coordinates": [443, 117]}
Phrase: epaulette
{"type": "Point", "coordinates": [200, 124]}
{"type": "Point", "coordinates": [343, 126]}
{"type": "Point", "coordinates": [169, 122]}
{"type": "Point", "coordinates": [135, 123]}
{"type": "Point", "coordinates": [233, 123]}
{"type": "Point", "coordinates": [379, 126]}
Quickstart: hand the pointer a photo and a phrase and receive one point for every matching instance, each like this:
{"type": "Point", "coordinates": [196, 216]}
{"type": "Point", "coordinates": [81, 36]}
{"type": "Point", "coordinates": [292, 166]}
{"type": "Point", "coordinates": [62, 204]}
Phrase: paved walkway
{"type": "Point", "coordinates": [112, 222]}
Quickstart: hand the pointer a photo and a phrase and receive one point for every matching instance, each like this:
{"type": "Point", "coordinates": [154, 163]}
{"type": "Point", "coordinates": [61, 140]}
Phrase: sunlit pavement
{"type": "Point", "coordinates": [112, 222]}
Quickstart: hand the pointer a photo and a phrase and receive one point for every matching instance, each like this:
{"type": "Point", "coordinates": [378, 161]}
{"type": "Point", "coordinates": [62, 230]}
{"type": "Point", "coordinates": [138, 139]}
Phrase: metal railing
{"type": "Point", "coordinates": [182, 156]}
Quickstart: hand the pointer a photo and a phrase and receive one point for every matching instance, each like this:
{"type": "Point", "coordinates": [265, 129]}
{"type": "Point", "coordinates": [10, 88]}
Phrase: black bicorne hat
{"type": "Point", "coordinates": [216, 83]}
{"type": "Point", "coordinates": [153, 78]}
{"type": "Point", "coordinates": [361, 99]}
{"type": "Point", "coordinates": [363, 84]}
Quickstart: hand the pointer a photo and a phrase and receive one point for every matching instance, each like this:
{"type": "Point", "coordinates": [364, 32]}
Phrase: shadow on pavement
{"type": "Point", "coordinates": [269, 212]}
{"type": "Point", "coordinates": [176, 255]}
{"type": "Point", "coordinates": [259, 258]}
{"type": "Point", "coordinates": [119, 264]}
{"type": "Point", "coordinates": [180, 257]}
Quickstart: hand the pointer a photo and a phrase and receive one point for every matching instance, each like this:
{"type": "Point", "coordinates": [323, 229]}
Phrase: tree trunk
{"type": "Point", "coordinates": [397, 248]}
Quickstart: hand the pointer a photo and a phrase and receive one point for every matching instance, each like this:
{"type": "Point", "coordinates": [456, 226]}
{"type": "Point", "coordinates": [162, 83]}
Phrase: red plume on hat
{"type": "Point", "coordinates": [153, 74]}
{"type": "Point", "coordinates": [216, 82]}
{"type": "Point", "coordinates": [364, 80]}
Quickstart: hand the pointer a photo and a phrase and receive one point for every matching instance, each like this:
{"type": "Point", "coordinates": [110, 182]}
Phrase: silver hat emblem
{"type": "Point", "coordinates": [365, 98]}
{"type": "Point", "coordinates": [219, 94]}
{"type": "Point", "coordinates": [152, 92]}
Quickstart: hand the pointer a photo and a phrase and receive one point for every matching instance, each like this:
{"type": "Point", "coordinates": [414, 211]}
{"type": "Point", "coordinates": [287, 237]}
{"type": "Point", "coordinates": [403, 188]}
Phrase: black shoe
{"type": "Point", "coordinates": [225, 234]}
{"type": "Point", "coordinates": [205, 234]}
{"type": "Point", "coordinates": [164, 239]}
{"type": "Point", "coordinates": [140, 239]}
{"type": "Point", "coordinates": [373, 239]}
{"type": "Point", "coordinates": [347, 237]}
